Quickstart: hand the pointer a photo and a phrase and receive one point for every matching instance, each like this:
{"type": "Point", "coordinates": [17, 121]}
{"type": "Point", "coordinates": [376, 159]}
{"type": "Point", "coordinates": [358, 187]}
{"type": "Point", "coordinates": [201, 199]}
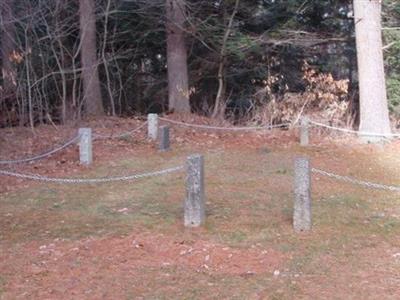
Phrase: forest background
{"type": "Point", "coordinates": [248, 61]}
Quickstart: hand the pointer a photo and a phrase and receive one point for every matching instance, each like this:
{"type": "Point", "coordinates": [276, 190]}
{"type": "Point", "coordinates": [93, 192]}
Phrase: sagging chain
{"type": "Point", "coordinates": [351, 180]}
{"type": "Point", "coordinates": [37, 177]}
{"type": "Point", "coordinates": [40, 156]}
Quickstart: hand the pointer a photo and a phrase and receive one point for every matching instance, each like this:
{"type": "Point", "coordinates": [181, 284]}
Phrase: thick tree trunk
{"type": "Point", "coordinates": [91, 83]}
{"type": "Point", "coordinates": [178, 86]}
{"type": "Point", "coordinates": [7, 47]}
{"type": "Point", "coordinates": [374, 113]}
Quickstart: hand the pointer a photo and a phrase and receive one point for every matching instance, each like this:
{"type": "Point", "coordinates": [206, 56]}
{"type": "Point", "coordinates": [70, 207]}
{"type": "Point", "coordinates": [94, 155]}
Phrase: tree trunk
{"type": "Point", "coordinates": [221, 69]}
{"type": "Point", "coordinates": [7, 47]}
{"type": "Point", "coordinates": [90, 76]}
{"type": "Point", "coordinates": [178, 86]}
{"type": "Point", "coordinates": [374, 113]}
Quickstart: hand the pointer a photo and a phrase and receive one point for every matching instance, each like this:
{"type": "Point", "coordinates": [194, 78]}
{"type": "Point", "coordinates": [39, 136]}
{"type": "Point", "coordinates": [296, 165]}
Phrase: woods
{"type": "Point", "coordinates": [238, 60]}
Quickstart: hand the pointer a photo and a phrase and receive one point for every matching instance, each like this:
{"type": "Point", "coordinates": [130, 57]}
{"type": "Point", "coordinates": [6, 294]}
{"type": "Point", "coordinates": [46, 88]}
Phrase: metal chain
{"type": "Point", "coordinates": [354, 131]}
{"type": "Point", "coordinates": [225, 128]}
{"type": "Point", "coordinates": [367, 184]}
{"type": "Point", "coordinates": [40, 156]}
{"type": "Point", "coordinates": [89, 180]}
{"type": "Point", "coordinates": [103, 137]}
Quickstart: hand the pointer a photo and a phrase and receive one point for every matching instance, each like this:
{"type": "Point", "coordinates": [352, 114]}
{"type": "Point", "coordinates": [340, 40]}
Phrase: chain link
{"type": "Point", "coordinates": [225, 128]}
{"type": "Point", "coordinates": [103, 137]}
{"type": "Point", "coordinates": [354, 131]}
{"type": "Point", "coordinates": [37, 177]}
{"type": "Point", "coordinates": [40, 156]}
{"type": "Point", "coordinates": [367, 184]}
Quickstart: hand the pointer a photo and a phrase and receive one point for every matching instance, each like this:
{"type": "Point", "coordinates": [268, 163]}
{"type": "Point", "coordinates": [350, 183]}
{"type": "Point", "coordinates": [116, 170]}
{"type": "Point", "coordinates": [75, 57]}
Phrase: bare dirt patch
{"type": "Point", "coordinates": [64, 270]}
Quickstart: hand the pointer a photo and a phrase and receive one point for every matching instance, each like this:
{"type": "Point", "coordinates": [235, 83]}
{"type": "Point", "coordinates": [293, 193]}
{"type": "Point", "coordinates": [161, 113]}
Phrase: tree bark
{"type": "Point", "coordinates": [7, 47]}
{"type": "Point", "coordinates": [90, 76]}
{"type": "Point", "coordinates": [374, 113]}
{"type": "Point", "coordinates": [178, 82]}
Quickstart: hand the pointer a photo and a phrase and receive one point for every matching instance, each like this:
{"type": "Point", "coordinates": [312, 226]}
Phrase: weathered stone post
{"type": "Point", "coordinates": [164, 138]}
{"type": "Point", "coordinates": [194, 202]}
{"type": "Point", "coordinates": [302, 195]}
{"type": "Point", "coordinates": [304, 131]}
{"type": "Point", "coordinates": [85, 146]}
{"type": "Point", "coordinates": [152, 126]}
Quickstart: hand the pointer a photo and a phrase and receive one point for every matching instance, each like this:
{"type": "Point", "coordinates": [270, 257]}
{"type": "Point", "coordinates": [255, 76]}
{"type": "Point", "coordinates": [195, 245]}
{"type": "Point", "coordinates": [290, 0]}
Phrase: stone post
{"type": "Point", "coordinates": [85, 146]}
{"type": "Point", "coordinates": [152, 126]}
{"type": "Point", "coordinates": [164, 138]}
{"type": "Point", "coordinates": [304, 131]}
{"type": "Point", "coordinates": [194, 202]}
{"type": "Point", "coordinates": [302, 195]}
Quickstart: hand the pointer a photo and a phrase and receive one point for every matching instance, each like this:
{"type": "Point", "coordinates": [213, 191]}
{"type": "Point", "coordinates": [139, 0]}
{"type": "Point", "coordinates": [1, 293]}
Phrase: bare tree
{"type": "Point", "coordinates": [222, 62]}
{"type": "Point", "coordinates": [374, 113]}
{"type": "Point", "coordinates": [90, 75]}
{"type": "Point", "coordinates": [178, 86]}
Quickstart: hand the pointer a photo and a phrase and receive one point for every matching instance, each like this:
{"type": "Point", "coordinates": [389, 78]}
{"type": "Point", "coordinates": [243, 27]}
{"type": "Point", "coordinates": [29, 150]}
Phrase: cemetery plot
{"type": "Point", "coordinates": [128, 240]}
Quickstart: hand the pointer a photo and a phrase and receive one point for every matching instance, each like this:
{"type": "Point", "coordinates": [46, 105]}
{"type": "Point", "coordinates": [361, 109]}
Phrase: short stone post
{"type": "Point", "coordinates": [85, 146]}
{"type": "Point", "coordinates": [164, 138]}
{"type": "Point", "coordinates": [194, 202]}
{"type": "Point", "coordinates": [304, 131]}
{"type": "Point", "coordinates": [302, 195]}
{"type": "Point", "coordinates": [152, 126]}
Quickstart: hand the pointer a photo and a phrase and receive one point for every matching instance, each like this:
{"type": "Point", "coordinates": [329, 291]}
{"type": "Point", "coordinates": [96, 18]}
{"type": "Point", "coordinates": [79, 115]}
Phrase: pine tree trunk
{"type": "Point", "coordinates": [374, 113]}
{"type": "Point", "coordinates": [7, 47]}
{"type": "Point", "coordinates": [90, 76]}
{"type": "Point", "coordinates": [178, 86]}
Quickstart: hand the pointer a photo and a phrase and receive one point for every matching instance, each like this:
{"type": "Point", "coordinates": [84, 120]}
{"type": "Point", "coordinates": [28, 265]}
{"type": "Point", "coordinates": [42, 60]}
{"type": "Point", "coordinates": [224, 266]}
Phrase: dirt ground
{"type": "Point", "coordinates": [127, 240]}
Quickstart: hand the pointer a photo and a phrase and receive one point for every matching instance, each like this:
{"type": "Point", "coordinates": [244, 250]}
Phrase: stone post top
{"type": "Point", "coordinates": [301, 158]}
{"type": "Point", "coordinates": [305, 119]}
{"type": "Point", "coordinates": [85, 129]}
{"type": "Point", "coordinates": [195, 156]}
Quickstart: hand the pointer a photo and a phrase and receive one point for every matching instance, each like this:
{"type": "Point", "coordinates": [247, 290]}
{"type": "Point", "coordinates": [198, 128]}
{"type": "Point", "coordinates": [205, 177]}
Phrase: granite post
{"type": "Point", "coordinates": [302, 195]}
{"type": "Point", "coordinates": [304, 131]}
{"type": "Point", "coordinates": [194, 202]}
{"type": "Point", "coordinates": [164, 138]}
{"type": "Point", "coordinates": [85, 146]}
{"type": "Point", "coordinates": [152, 126]}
